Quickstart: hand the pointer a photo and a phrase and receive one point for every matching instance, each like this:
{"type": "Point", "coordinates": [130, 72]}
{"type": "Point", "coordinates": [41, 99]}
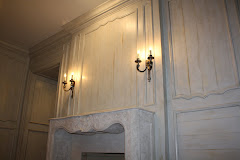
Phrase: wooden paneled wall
{"type": "Point", "coordinates": [202, 75]}
{"type": "Point", "coordinates": [13, 73]}
{"type": "Point", "coordinates": [102, 53]}
{"type": "Point", "coordinates": [102, 58]}
{"type": "Point", "coordinates": [39, 106]}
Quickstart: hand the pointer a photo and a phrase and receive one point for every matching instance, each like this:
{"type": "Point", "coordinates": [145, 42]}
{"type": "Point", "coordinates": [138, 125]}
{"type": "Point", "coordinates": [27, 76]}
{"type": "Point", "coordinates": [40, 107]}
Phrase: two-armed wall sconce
{"type": "Point", "coordinates": [72, 84]}
{"type": "Point", "coordinates": [149, 64]}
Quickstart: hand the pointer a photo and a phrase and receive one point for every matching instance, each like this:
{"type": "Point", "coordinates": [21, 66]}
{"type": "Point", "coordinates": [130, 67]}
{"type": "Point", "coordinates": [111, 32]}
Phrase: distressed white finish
{"type": "Point", "coordinates": [39, 106]}
{"type": "Point", "coordinates": [102, 53]}
{"type": "Point", "coordinates": [203, 56]}
{"type": "Point", "coordinates": [202, 75]}
{"type": "Point", "coordinates": [136, 124]}
{"type": "Point", "coordinates": [13, 73]}
{"type": "Point", "coordinates": [209, 134]}
{"type": "Point", "coordinates": [102, 58]}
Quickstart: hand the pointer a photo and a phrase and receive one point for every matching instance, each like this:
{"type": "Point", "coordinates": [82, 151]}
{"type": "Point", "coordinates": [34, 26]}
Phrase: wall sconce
{"type": "Point", "coordinates": [149, 64]}
{"type": "Point", "coordinates": [72, 84]}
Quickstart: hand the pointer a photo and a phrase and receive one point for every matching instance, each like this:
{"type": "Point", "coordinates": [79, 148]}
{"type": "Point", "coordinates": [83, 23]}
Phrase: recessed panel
{"type": "Point", "coordinates": [12, 73]}
{"type": "Point", "coordinates": [203, 55]}
{"type": "Point", "coordinates": [109, 71]}
{"type": "Point", "coordinates": [43, 103]}
{"type": "Point", "coordinates": [209, 134]}
{"type": "Point", "coordinates": [6, 144]}
{"type": "Point", "coordinates": [36, 145]}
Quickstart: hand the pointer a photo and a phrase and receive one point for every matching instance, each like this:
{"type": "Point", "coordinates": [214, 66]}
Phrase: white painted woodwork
{"type": "Point", "coordinates": [13, 73]}
{"type": "Point", "coordinates": [8, 142]}
{"type": "Point", "coordinates": [102, 59]}
{"type": "Point", "coordinates": [201, 46]}
{"type": "Point", "coordinates": [203, 59]}
{"type": "Point", "coordinates": [39, 106]}
{"type": "Point", "coordinates": [12, 79]}
{"type": "Point", "coordinates": [36, 145]}
{"type": "Point", "coordinates": [209, 134]}
{"type": "Point", "coordinates": [102, 53]}
{"type": "Point", "coordinates": [108, 72]}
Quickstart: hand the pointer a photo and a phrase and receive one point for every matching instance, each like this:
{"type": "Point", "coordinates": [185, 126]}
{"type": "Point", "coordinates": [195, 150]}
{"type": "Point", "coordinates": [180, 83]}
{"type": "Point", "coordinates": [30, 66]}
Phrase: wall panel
{"type": "Point", "coordinates": [39, 106]}
{"type": "Point", "coordinates": [36, 145]}
{"type": "Point", "coordinates": [209, 134]}
{"type": "Point", "coordinates": [201, 40]}
{"type": "Point", "coordinates": [43, 102]}
{"type": "Point", "coordinates": [111, 80]}
{"type": "Point", "coordinates": [13, 73]}
{"type": "Point", "coordinates": [7, 138]}
{"type": "Point", "coordinates": [102, 56]}
{"type": "Point", "coordinates": [202, 48]}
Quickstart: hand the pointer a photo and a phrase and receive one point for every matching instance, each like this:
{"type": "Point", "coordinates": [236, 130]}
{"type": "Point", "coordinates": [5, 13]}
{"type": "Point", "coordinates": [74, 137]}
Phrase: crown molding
{"type": "Point", "coordinates": [13, 48]}
{"type": "Point", "coordinates": [50, 44]}
{"type": "Point", "coordinates": [57, 40]}
{"type": "Point", "coordinates": [105, 9]}
{"type": "Point", "coordinates": [13, 51]}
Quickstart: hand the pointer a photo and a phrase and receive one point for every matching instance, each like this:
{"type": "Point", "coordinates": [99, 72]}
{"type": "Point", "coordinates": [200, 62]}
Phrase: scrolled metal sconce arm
{"type": "Point", "coordinates": [149, 65]}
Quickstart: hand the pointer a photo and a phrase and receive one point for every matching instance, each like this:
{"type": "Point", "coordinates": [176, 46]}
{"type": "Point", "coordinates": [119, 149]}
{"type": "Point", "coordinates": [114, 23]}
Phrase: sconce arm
{"type": "Point", "coordinates": [139, 69]}
{"type": "Point", "coordinates": [66, 90]}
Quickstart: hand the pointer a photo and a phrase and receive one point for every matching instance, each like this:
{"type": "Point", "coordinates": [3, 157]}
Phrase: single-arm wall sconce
{"type": "Point", "coordinates": [72, 84]}
{"type": "Point", "coordinates": [149, 64]}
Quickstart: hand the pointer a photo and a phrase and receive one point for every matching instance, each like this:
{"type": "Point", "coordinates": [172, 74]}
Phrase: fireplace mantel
{"type": "Point", "coordinates": [136, 124]}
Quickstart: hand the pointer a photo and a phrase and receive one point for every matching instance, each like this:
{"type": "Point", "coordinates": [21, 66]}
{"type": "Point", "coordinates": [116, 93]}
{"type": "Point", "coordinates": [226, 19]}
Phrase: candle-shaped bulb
{"type": "Point", "coordinates": [72, 75]}
{"type": "Point", "coordinates": [150, 50]}
{"type": "Point", "coordinates": [65, 77]}
{"type": "Point", "coordinates": [138, 52]}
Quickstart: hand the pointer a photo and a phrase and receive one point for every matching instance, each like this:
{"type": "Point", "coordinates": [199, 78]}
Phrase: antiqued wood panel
{"type": "Point", "coordinates": [43, 103]}
{"type": "Point", "coordinates": [13, 74]}
{"type": "Point", "coordinates": [36, 145]}
{"type": "Point", "coordinates": [201, 39]}
{"type": "Point", "coordinates": [63, 97]}
{"type": "Point", "coordinates": [209, 134]}
{"type": "Point", "coordinates": [109, 74]}
{"type": "Point", "coordinates": [39, 106]}
{"type": "Point", "coordinates": [102, 56]}
{"type": "Point", "coordinates": [233, 11]}
{"type": "Point", "coordinates": [7, 137]}
{"type": "Point", "coordinates": [102, 53]}
{"type": "Point", "coordinates": [203, 55]}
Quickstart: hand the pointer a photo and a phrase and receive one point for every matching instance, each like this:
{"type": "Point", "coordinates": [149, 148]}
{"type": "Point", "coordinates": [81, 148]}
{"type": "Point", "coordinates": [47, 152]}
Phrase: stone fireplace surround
{"type": "Point", "coordinates": [129, 131]}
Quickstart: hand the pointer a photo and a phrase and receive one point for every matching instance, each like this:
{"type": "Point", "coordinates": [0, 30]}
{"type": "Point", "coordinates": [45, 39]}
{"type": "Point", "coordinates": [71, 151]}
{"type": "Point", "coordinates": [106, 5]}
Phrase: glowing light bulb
{"type": "Point", "coordinates": [72, 75]}
{"type": "Point", "coordinates": [65, 77]}
{"type": "Point", "coordinates": [150, 50]}
{"type": "Point", "coordinates": [138, 52]}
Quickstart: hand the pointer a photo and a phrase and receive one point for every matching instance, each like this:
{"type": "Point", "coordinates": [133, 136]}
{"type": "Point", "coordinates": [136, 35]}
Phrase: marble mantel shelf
{"type": "Point", "coordinates": [137, 125]}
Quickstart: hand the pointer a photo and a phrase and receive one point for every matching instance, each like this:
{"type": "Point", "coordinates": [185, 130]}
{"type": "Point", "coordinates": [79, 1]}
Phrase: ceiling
{"type": "Point", "coordinates": [27, 22]}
